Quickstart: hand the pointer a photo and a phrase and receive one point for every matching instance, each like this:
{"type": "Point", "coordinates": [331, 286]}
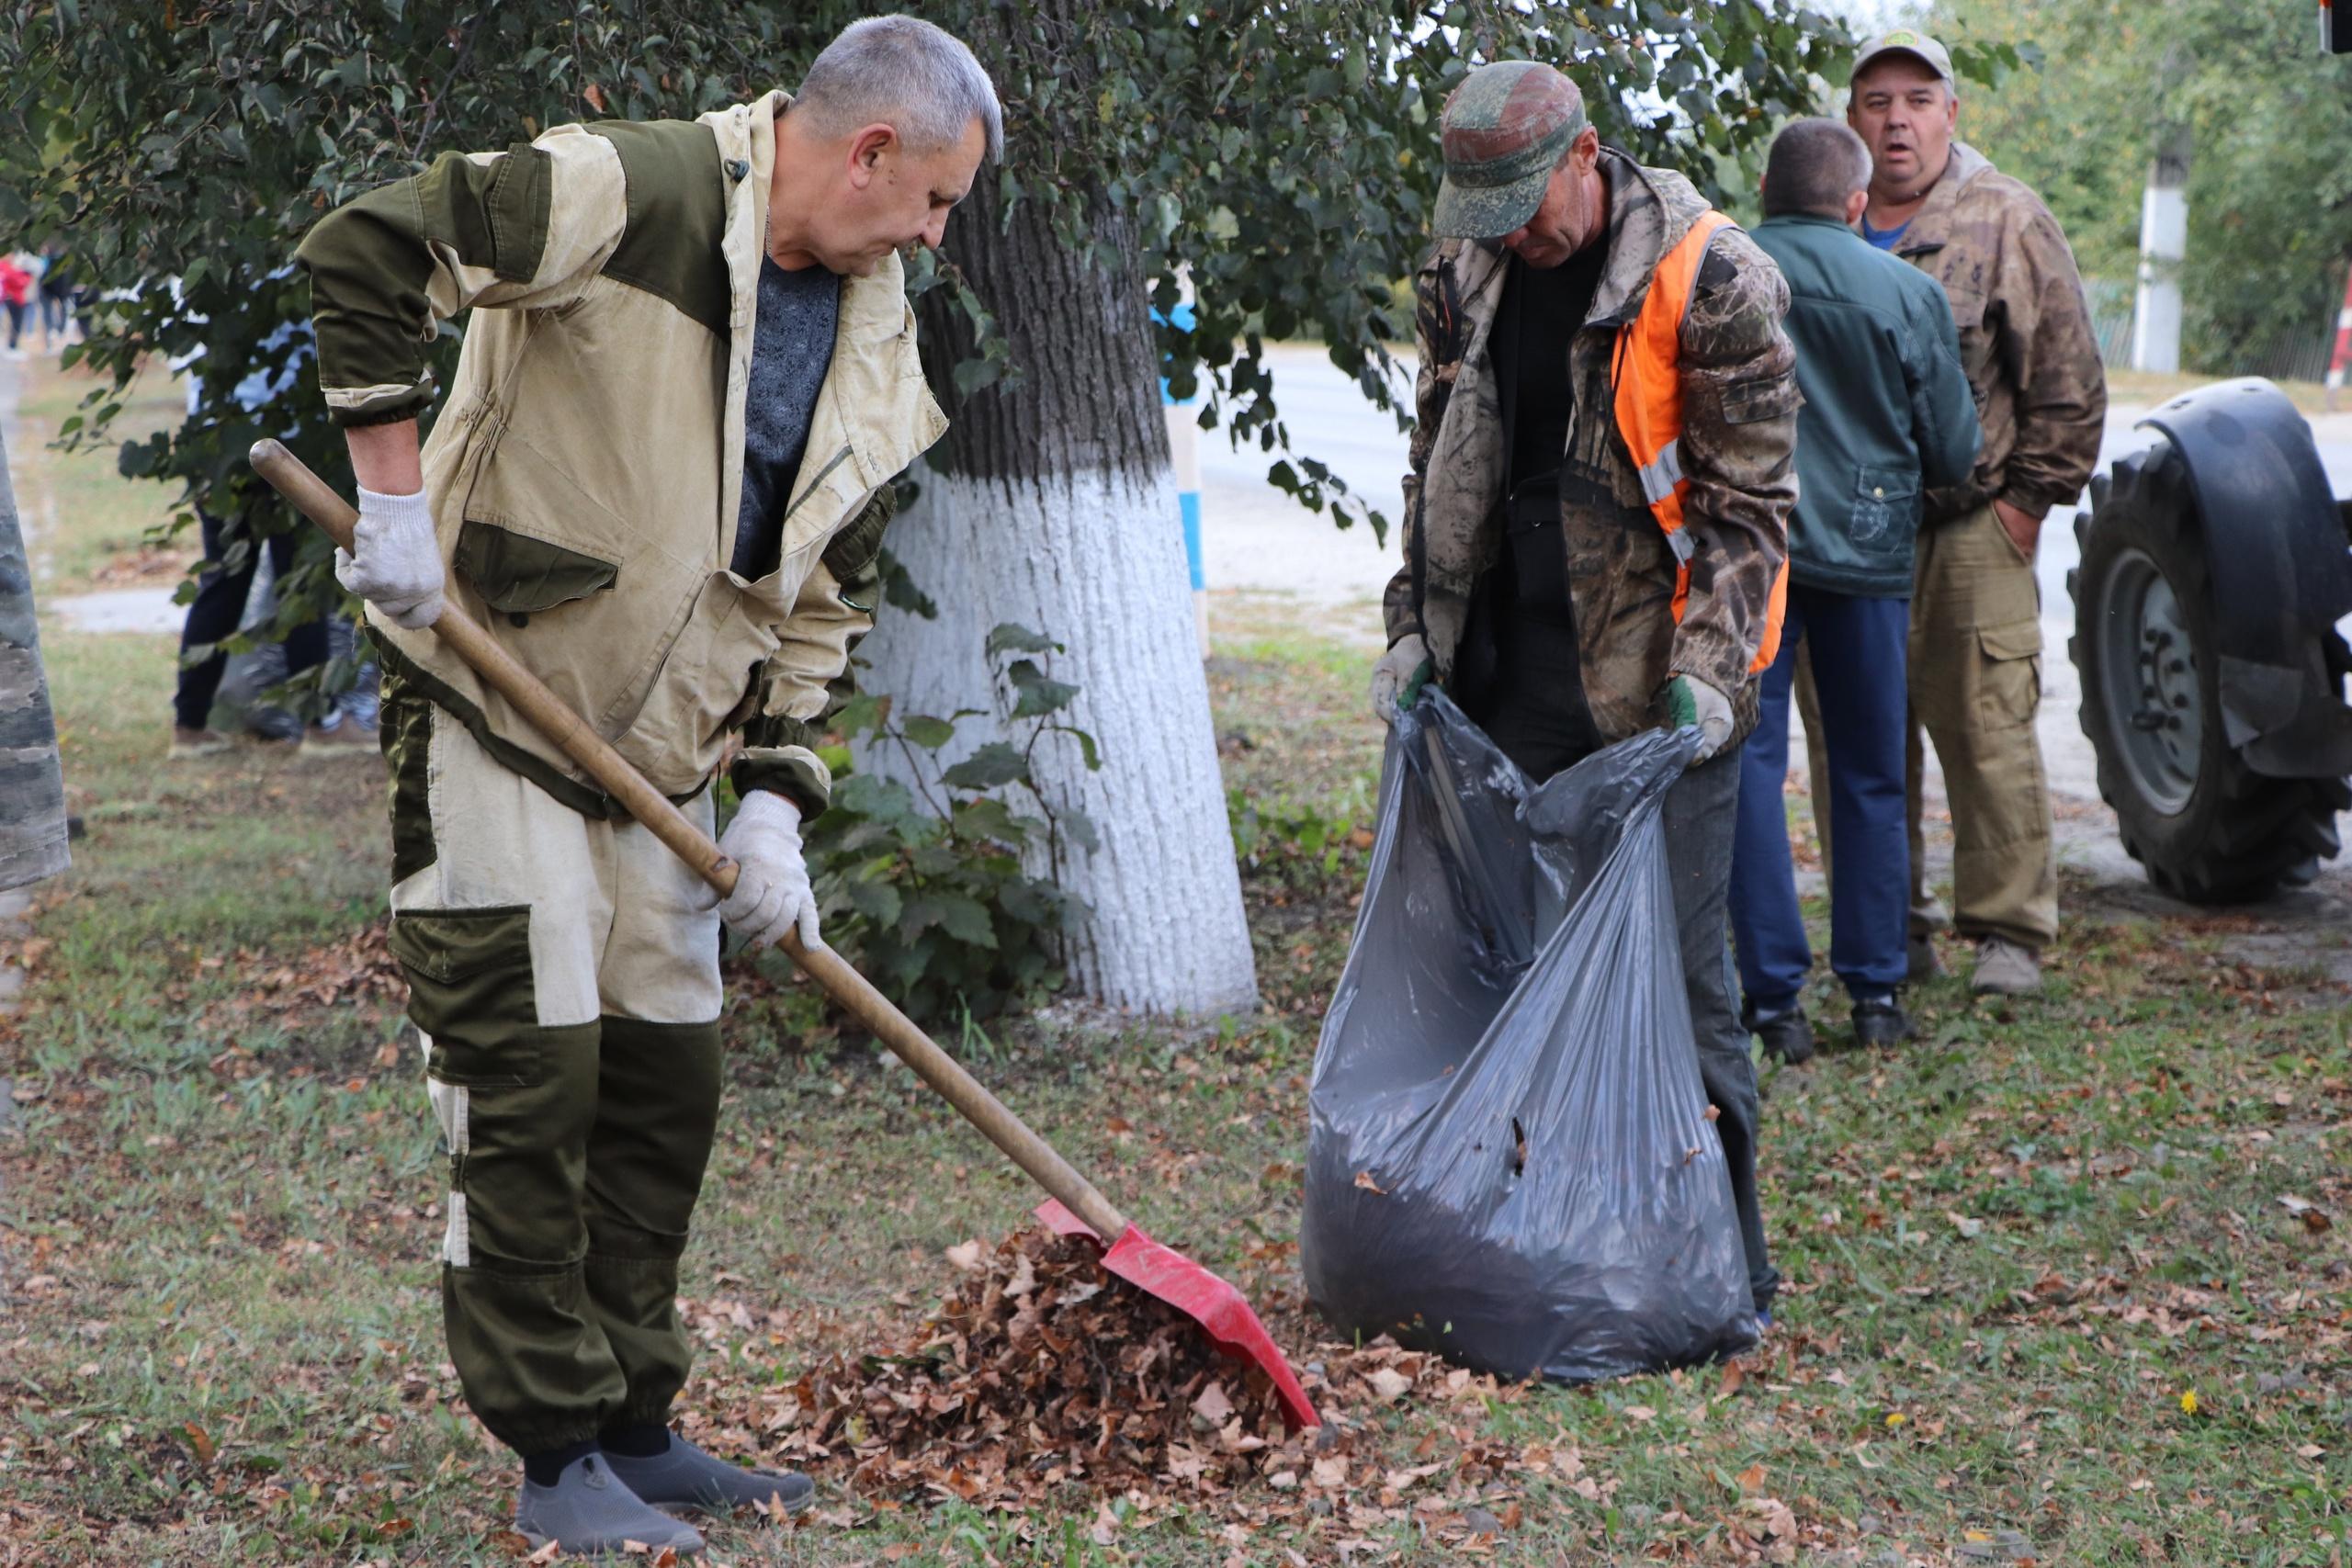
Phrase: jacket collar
{"type": "Point", "coordinates": [1930, 227]}
{"type": "Point", "coordinates": [874, 342]}
{"type": "Point", "coordinates": [1810, 220]}
{"type": "Point", "coordinates": [1649, 211]}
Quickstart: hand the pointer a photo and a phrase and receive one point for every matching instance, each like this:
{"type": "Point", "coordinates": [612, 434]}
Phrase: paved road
{"type": "Point", "coordinates": [1256, 542]}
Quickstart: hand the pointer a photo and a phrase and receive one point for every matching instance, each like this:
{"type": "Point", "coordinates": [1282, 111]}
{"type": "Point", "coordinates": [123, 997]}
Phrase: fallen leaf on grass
{"type": "Point", "coordinates": [2314, 1217]}
{"type": "Point", "coordinates": [1388, 1382]}
{"type": "Point", "coordinates": [199, 1442]}
{"type": "Point", "coordinates": [1751, 1480]}
{"type": "Point", "coordinates": [969, 1255]}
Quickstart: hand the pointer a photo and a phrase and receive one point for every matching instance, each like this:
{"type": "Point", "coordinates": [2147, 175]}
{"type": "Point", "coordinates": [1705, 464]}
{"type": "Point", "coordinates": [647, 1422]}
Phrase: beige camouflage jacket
{"type": "Point", "coordinates": [1739, 411]}
{"type": "Point", "coordinates": [2025, 336]}
{"type": "Point", "coordinates": [587, 468]}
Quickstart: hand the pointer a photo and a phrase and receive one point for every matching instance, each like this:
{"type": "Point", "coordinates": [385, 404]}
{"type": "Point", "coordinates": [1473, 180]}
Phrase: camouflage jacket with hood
{"type": "Point", "coordinates": [2025, 336]}
{"type": "Point", "coordinates": [1739, 411]}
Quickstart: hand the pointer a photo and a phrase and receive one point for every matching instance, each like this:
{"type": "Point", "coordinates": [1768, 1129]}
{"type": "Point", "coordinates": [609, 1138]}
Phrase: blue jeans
{"type": "Point", "coordinates": [1858, 664]}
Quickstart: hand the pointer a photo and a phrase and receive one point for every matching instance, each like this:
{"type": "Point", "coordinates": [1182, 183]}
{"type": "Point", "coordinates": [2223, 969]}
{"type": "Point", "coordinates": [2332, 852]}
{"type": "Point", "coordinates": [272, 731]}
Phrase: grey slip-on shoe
{"type": "Point", "coordinates": [591, 1512]}
{"type": "Point", "coordinates": [685, 1477]}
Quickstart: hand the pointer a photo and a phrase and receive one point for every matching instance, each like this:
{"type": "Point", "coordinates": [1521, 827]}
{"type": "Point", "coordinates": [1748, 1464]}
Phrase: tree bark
{"type": "Point", "coordinates": [1058, 512]}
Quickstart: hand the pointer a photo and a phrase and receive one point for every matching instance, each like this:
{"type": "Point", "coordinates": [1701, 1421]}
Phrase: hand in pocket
{"type": "Point", "coordinates": [2024, 531]}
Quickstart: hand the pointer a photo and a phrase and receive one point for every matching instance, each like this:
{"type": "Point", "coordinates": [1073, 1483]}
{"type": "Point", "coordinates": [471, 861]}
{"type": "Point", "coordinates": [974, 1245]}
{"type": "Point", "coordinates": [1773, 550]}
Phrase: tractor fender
{"type": "Point", "coordinates": [2281, 572]}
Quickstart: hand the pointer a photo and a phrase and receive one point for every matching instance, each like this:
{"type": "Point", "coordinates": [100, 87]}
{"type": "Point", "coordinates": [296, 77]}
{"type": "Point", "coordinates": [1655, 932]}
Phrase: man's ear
{"type": "Point", "coordinates": [1856, 205]}
{"type": "Point", "coordinates": [1586, 150]}
{"type": "Point", "coordinates": [867, 150]}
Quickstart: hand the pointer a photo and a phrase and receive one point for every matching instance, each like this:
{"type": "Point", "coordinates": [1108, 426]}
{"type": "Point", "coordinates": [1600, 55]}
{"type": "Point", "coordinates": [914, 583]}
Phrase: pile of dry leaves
{"type": "Point", "coordinates": [1043, 1368]}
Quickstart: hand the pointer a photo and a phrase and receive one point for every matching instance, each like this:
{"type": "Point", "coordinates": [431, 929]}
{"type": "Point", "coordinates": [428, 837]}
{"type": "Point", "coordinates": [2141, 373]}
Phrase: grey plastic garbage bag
{"type": "Point", "coordinates": [1511, 1160]}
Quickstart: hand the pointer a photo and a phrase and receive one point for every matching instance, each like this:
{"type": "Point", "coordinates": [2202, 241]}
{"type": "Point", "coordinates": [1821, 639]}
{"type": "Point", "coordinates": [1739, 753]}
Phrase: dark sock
{"type": "Point", "coordinates": [546, 1469]}
{"type": "Point", "coordinates": [635, 1440]}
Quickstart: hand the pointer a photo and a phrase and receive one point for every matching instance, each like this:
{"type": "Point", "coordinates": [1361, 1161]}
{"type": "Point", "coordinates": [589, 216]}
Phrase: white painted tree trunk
{"type": "Point", "coordinates": [1058, 511]}
{"type": "Point", "coordinates": [1095, 561]}
{"type": "Point", "coordinates": [2164, 243]}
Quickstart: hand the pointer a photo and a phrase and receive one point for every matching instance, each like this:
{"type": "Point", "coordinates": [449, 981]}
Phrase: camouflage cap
{"type": "Point", "coordinates": [1910, 42]}
{"type": "Point", "coordinates": [1504, 130]}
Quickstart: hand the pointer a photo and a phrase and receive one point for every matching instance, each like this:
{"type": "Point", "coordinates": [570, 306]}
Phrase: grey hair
{"type": "Point", "coordinates": [922, 81]}
{"type": "Point", "coordinates": [1814, 166]}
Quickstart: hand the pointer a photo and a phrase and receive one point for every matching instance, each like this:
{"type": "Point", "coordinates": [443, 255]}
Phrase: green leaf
{"type": "Point", "coordinates": [1040, 694]}
{"type": "Point", "coordinates": [1081, 828]}
{"type": "Point", "coordinates": [877, 901]}
{"type": "Point", "coordinates": [994, 764]}
{"type": "Point", "coordinates": [927, 732]}
{"type": "Point", "coordinates": [965, 920]}
{"type": "Point", "coordinates": [1012, 637]}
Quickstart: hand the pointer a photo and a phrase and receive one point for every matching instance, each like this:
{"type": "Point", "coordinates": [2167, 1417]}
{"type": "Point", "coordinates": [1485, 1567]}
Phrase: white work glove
{"type": "Point", "coordinates": [772, 894]}
{"type": "Point", "coordinates": [394, 562]}
{"type": "Point", "coordinates": [1690, 703]}
{"type": "Point", "coordinates": [1397, 678]}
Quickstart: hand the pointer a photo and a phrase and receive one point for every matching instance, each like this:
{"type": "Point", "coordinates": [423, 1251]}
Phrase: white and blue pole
{"type": "Point", "coordinates": [1185, 457]}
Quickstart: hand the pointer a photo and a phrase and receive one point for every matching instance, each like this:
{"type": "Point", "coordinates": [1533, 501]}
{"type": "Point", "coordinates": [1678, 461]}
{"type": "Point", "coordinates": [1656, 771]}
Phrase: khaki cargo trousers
{"type": "Point", "coordinates": [1976, 680]}
{"type": "Point", "coordinates": [567, 992]}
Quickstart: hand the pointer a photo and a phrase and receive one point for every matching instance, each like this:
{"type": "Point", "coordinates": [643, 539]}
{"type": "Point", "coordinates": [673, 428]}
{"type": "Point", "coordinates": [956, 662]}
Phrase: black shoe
{"type": "Point", "coordinates": [1880, 1022]}
{"type": "Point", "coordinates": [1787, 1037]}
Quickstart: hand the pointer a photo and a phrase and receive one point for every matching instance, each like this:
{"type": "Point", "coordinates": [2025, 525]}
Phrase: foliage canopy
{"type": "Point", "coordinates": [2269, 117]}
{"type": "Point", "coordinates": [1281, 157]}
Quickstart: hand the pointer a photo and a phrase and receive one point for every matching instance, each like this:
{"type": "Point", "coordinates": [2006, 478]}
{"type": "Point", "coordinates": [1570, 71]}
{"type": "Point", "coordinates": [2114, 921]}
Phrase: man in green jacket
{"type": "Point", "coordinates": [661, 475]}
{"type": "Point", "coordinates": [1887, 414]}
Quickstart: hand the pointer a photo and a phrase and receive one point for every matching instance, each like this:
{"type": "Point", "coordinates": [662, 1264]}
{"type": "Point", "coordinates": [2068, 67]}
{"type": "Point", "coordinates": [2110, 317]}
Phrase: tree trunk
{"type": "Point", "coordinates": [1059, 511]}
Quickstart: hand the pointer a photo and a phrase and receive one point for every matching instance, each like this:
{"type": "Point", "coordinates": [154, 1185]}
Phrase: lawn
{"type": "Point", "coordinates": [2067, 1284]}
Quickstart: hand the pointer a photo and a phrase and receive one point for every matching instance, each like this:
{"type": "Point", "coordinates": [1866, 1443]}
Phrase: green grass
{"type": "Point", "coordinates": [2012, 1248]}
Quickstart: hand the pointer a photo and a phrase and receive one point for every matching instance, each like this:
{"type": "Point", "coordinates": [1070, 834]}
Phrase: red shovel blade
{"type": "Point", "coordinates": [1200, 1295]}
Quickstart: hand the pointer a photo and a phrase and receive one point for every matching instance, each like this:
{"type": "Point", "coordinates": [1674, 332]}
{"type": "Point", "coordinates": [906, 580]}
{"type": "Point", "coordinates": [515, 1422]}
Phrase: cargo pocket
{"type": "Point", "coordinates": [518, 575]}
{"type": "Point", "coordinates": [2010, 673]}
{"type": "Point", "coordinates": [470, 991]}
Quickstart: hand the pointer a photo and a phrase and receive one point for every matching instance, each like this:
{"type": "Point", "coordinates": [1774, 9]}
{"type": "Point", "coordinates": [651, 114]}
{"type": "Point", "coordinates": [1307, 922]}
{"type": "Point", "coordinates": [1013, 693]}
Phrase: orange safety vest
{"type": "Point", "coordinates": [1649, 377]}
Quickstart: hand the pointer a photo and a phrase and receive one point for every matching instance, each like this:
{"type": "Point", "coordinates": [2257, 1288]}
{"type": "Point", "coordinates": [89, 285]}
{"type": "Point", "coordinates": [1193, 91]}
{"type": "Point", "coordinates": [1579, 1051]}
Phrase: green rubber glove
{"type": "Point", "coordinates": [1692, 703]}
{"type": "Point", "coordinates": [1681, 707]}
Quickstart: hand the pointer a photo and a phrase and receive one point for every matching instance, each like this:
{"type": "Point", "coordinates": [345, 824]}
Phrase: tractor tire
{"type": "Point", "coordinates": [2207, 828]}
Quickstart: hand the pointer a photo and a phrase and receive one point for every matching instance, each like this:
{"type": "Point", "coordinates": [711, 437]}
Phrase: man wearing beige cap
{"type": "Point", "coordinates": [1596, 520]}
{"type": "Point", "coordinates": [2032, 363]}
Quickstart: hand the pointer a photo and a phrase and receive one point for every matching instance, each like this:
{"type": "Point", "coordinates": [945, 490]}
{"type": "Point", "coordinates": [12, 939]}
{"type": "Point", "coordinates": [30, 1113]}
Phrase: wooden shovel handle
{"type": "Point", "coordinates": [547, 713]}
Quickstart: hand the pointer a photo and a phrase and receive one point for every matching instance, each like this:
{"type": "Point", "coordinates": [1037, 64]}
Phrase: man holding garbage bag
{"type": "Point", "coordinates": [1596, 518]}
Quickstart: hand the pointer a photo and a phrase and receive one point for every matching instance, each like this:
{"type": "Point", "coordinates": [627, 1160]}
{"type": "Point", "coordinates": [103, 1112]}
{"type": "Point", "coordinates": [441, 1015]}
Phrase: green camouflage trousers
{"type": "Point", "coordinates": [567, 991]}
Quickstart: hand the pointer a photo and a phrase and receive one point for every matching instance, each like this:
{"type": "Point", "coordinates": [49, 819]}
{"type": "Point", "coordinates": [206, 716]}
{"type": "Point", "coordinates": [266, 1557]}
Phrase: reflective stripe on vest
{"type": "Point", "coordinates": [1648, 375]}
